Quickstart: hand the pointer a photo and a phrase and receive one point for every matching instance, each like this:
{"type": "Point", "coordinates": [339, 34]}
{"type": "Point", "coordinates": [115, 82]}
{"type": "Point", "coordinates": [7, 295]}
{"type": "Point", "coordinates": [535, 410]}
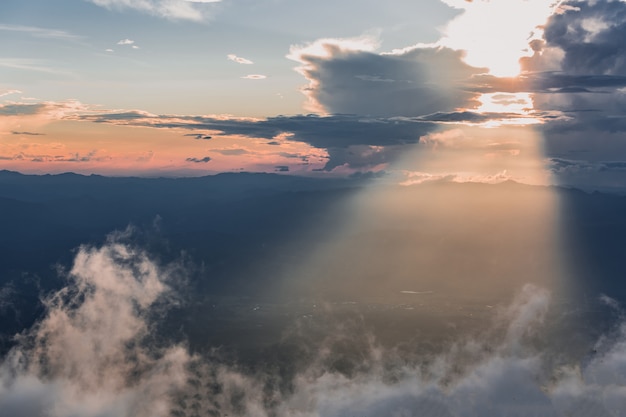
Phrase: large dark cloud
{"type": "Point", "coordinates": [338, 131]}
{"type": "Point", "coordinates": [578, 69]}
{"type": "Point", "coordinates": [583, 51]}
{"type": "Point", "coordinates": [335, 131]}
{"type": "Point", "coordinates": [351, 140]}
{"type": "Point", "coordinates": [357, 142]}
{"type": "Point", "coordinates": [413, 82]}
{"type": "Point", "coordinates": [591, 34]}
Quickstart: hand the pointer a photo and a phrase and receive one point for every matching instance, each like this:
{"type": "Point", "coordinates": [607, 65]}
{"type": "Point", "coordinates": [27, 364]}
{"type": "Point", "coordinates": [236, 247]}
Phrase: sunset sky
{"type": "Point", "coordinates": [429, 244]}
{"type": "Point", "coordinates": [529, 90]}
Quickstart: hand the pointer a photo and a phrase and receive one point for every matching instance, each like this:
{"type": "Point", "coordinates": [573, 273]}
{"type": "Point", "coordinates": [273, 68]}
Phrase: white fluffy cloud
{"type": "Point", "coordinates": [254, 77]}
{"type": "Point", "coordinates": [239, 59]}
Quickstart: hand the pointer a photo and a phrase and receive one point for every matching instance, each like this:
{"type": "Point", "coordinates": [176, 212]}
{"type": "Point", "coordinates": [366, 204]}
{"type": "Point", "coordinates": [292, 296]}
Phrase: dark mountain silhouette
{"type": "Point", "coordinates": [239, 234]}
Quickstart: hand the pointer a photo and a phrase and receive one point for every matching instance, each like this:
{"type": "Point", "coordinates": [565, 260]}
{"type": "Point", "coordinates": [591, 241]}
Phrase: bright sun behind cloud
{"type": "Point", "coordinates": [496, 34]}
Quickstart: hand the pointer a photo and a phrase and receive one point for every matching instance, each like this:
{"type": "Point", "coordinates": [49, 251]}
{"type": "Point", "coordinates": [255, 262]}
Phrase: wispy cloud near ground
{"type": "Point", "coordinates": [88, 355]}
{"type": "Point", "coordinates": [92, 355]}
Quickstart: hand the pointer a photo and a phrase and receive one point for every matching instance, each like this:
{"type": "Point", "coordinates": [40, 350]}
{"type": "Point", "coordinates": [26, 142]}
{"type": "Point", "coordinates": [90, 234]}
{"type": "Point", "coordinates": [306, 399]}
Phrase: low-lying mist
{"type": "Point", "coordinates": [101, 349]}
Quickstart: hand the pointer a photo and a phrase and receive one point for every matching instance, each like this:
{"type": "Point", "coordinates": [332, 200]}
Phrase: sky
{"type": "Point", "coordinates": [404, 286]}
{"type": "Point", "coordinates": [527, 90]}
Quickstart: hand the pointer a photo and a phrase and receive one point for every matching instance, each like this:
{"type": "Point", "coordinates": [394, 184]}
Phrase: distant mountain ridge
{"type": "Point", "coordinates": [241, 230]}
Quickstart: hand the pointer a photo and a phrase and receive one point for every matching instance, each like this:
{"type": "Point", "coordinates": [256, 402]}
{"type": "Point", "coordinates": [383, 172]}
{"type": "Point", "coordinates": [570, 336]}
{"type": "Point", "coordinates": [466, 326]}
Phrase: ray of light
{"type": "Point", "coordinates": [445, 238]}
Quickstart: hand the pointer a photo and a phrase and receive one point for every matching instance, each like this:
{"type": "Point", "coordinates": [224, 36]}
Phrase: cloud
{"type": "Point", "coordinates": [199, 160]}
{"type": "Point", "coordinates": [89, 355]}
{"type": "Point", "coordinates": [417, 177]}
{"type": "Point", "coordinates": [27, 133]}
{"type": "Point", "coordinates": [333, 131]}
{"type": "Point", "coordinates": [77, 157]}
{"type": "Point", "coordinates": [239, 59]}
{"type": "Point", "coordinates": [355, 142]}
{"type": "Point", "coordinates": [577, 74]}
{"type": "Point", "coordinates": [465, 117]}
{"type": "Point", "coordinates": [490, 37]}
{"type": "Point", "coordinates": [94, 354]}
{"type": "Point", "coordinates": [375, 78]}
{"type": "Point", "coordinates": [549, 82]}
{"type": "Point", "coordinates": [361, 157]}
{"type": "Point", "coordinates": [6, 297]}
{"type": "Point", "coordinates": [121, 116]}
{"type": "Point", "coordinates": [290, 155]}
{"type": "Point", "coordinates": [254, 77]}
{"type": "Point", "coordinates": [71, 157]}
{"type": "Point", "coordinates": [145, 157]}
{"type": "Point", "coordinates": [588, 37]}
{"type": "Point", "coordinates": [35, 65]}
{"type": "Point", "coordinates": [359, 136]}
{"type": "Point", "coordinates": [21, 109]}
{"type": "Point", "coordinates": [231, 151]}
{"type": "Point", "coordinates": [47, 109]}
{"type": "Point", "coordinates": [589, 175]}
{"type": "Point", "coordinates": [581, 53]}
{"type": "Point", "coordinates": [198, 136]}
{"type": "Point", "coordinates": [128, 42]}
{"type": "Point", "coordinates": [281, 168]}
{"type": "Point", "coordinates": [348, 76]}
{"type": "Point", "coordinates": [193, 10]}
{"type": "Point", "coordinates": [9, 92]}
{"type": "Point", "coordinates": [505, 379]}
{"type": "Point", "coordinates": [40, 32]}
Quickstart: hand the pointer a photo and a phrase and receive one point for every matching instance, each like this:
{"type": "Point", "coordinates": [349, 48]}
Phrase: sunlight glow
{"type": "Point", "coordinates": [508, 104]}
{"type": "Point", "coordinates": [438, 227]}
{"type": "Point", "coordinates": [505, 102]}
{"type": "Point", "coordinates": [477, 154]}
{"type": "Point", "coordinates": [499, 41]}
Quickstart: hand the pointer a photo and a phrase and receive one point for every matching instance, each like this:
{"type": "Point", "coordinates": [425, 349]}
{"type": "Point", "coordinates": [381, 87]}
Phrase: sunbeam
{"type": "Point", "coordinates": [312, 209]}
